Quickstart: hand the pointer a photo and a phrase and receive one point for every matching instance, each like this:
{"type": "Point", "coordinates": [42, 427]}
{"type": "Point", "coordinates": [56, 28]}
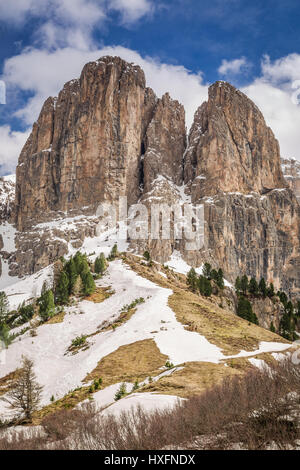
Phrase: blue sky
{"type": "Point", "coordinates": [183, 46]}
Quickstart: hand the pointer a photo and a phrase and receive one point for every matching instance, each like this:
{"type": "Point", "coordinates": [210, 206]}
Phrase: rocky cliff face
{"type": "Point", "coordinates": [291, 172]}
{"type": "Point", "coordinates": [108, 135]}
{"type": "Point", "coordinates": [253, 218]}
{"type": "Point", "coordinates": [87, 144]}
{"type": "Point", "coordinates": [230, 147]}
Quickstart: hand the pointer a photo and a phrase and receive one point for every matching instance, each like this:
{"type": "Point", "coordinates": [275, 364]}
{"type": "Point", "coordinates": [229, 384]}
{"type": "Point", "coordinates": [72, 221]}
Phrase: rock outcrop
{"type": "Point", "coordinates": [291, 172]}
{"type": "Point", "coordinates": [230, 147]}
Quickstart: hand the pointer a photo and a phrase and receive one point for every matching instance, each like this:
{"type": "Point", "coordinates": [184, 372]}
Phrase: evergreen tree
{"type": "Point", "coordinates": [100, 264]}
{"type": "Point", "coordinates": [262, 287]}
{"type": "Point", "coordinates": [271, 291]}
{"type": "Point", "coordinates": [114, 252]}
{"type": "Point", "coordinates": [5, 335]}
{"type": "Point", "coordinates": [237, 285]}
{"type": "Point", "coordinates": [4, 308]}
{"type": "Point", "coordinates": [70, 270]}
{"type": "Point", "coordinates": [253, 286]}
{"type": "Point", "coordinates": [207, 270]}
{"type": "Point", "coordinates": [272, 328]}
{"type": "Point", "coordinates": [87, 282]}
{"type": "Point", "coordinates": [78, 287]}
{"type": "Point", "coordinates": [46, 304]}
{"type": "Point", "coordinates": [204, 286]}
{"type": "Point", "coordinates": [220, 279]}
{"type": "Point", "coordinates": [26, 393]}
{"type": "Point", "coordinates": [287, 327]}
{"type": "Point", "coordinates": [80, 262]}
{"type": "Point", "coordinates": [283, 298]}
{"type": "Point", "coordinates": [147, 256]}
{"type": "Point", "coordinates": [244, 284]}
{"type": "Point", "coordinates": [244, 310]}
{"type": "Point", "coordinates": [192, 279]}
{"type": "Point", "coordinates": [214, 274]}
{"type": "Point", "coordinates": [62, 289]}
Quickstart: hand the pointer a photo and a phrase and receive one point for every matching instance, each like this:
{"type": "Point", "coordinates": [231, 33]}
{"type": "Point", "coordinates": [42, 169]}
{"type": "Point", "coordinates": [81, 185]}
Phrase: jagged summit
{"type": "Point", "coordinates": [231, 148]}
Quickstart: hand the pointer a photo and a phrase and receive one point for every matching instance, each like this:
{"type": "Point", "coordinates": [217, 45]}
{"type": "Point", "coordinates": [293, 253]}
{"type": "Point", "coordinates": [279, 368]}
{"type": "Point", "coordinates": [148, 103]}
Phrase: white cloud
{"type": "Point", "coordinates": [275, 93]}
{"type": "Point", "coordinates": [44, 73]}
{"type": "Point", "coordinates": [233, 67]}
{"type": "Point", "coordinates": [11, 145]}
{"type": "Point", "coordinates": [131, 10]}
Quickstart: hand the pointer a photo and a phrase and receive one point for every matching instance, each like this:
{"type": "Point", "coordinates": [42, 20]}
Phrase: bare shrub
{"type": "Point", "coordinates": [260, 410]}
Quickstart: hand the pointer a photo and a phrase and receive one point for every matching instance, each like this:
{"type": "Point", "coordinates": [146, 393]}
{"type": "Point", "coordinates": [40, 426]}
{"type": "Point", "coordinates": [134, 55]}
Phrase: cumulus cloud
{"type": "Point", "coordinates": [233, 67]}
{"type": "Point", "coordinates": [11, 144]}
{"type": "Point", "coordinates": [131, 10]}
{"type": "Point", "coordinates": [277, 94]}
{"type": "Point", "coordinates": [44, 72]}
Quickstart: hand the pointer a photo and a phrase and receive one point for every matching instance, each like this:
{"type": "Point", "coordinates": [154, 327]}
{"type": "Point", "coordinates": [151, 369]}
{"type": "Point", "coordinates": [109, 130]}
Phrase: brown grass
{"type": "Point", "coordinates": [135, 361]}
{"type": "Point", "coordinates": [132, 362]}
{"type": "Point", "coordinates": [56, 319]}
{"type": "Point", "coordinates": [100, 294]}
{"type": "Point", "coordinates": [218, 325]}
{"type": "Point", "coordinates": [7, 382]}
{"type": "Point", "coordinates": [193, 379]}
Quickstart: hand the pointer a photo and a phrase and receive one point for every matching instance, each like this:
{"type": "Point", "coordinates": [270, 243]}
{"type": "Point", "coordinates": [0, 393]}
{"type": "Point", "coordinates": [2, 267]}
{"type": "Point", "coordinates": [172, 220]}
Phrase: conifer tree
{"type": "Point", "coordinates": [25, 396]}
{"type": "Point", "coordinates": [262, 287]}
{"type": "Point", "coordinates": [244, 310]}
{"type": "Point", "coordinates": [78, 287]}
{"type": "Point", "coordinates": [47, 306]}
{"type": "Point", "coordinates": [207, 270]}
{"type": "Point", "coordinates": [220, 279]}
{"type": "Point", "coordinates": [244, 284]}
{"type": "Point", "coordinates": [253, 286]}
{"type": "Point", "coordinates": [100, 264]}
{"type": "Point", "coordinates": [271, 291]}
{"type": "Point", "coordinates": [237, 285]}
{"type": "Point", "coordinates": [192, 279]}
{"type": "Point", "coordinates": [62, 289]}
{"type": "Point", "coordinates": [114, 252]}
{"type": "Point", "coordinates": [87, 282]}
{"type": "Point", "coordinates": [71, 272]}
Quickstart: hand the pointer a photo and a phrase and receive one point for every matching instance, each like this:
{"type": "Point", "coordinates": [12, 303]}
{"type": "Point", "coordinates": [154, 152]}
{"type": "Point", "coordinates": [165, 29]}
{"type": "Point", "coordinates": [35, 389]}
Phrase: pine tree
{"type": "Point", "coordinates": [4, 307]}
{"type": "Point", "coordinates": [204, 286]}
{"type": "Point", "coordinates": [47, 306]}
{"type": "Point", "coordinates": [262, 287]}
{"type": "Point", "coordinates": [114, 252]}
{"type": "Point", "coordinates": [70, 270]}
{"type": "Point", "coordinates": [253, 286]}
{"type": "Point", "coordinates": [191, 279]}
{"type": "Point", "coordinates": [207, 270]}
{"type": "Point", "coordinates": [244, 310]}
{"type": "Point", "coordinates": [88, 282]}
{"type": "Point", "coordinates": [244, 284]}
{"type": "Point", "coordinates": [62, 289]}
{"type": "Point", "coordinates": [5, 335]}
{"type": "Point", "coordinates": [271, 291]}
{"type": "Point", "coordinates": [25, 396]}
{"type": "Point", "coordinates": [220, 279]}
{"type": "Point", "coordinates": [78, 287]}
{"type": "Point", "coordinates": [80, 262]}
{"type": "Point", "coordinates": [272, 328]}
{"type": "Point", "coordinates": [147, 256]}
{"type": "Point", "coordinates": [57, 269]}
{"type": "Point", "coordinates": [100, 264]}
{"type": "Point", "coordinates": [237, 285]}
